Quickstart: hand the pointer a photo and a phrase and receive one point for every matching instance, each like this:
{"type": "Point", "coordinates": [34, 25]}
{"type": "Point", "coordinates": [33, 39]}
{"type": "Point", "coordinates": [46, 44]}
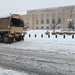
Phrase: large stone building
{"type": "Point", "coordinates": [49, 18]}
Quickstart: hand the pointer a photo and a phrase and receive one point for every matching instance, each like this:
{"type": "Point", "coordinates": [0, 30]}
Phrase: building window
{"type": "Point", "coordinates": [59, 18]}
{"type": "Point", "coordinates": [53, 21]}
{"type": "Point", "coordinates": [47, 27]}
{"type": "Point", "coordinates": [37, 27]}
{"type": "Point", "coordinates": [37, 19]}
{"type": "Point", "coordinates": [53, 15]}
{"type": "Point", "coordinates": [47, 21]}
{"type": "Point", "coordinates": [59, 21]}
{"type": "Point", "coordinates": [53, 18]}
{"type": "Point", "coordinates": [42, 19]}
{"type": "Point", "coordinates": [59, 15]}
{"type": "Point", "coordinates": [47, 18]}
{"type": "Point", "coordinates": [42, 27]}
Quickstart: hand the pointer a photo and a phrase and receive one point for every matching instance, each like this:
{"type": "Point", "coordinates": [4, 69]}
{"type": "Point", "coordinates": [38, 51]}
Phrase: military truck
{"type": "Point", "coordinates": [11, 28]}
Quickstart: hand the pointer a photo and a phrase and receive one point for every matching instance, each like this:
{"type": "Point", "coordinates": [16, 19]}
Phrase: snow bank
{"type": "Point", "coordinates": [11, 72]}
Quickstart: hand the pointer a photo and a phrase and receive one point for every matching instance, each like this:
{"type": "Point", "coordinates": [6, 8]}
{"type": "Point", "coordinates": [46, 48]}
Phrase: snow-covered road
{"type": "Point", "coordinates": [45, 56]}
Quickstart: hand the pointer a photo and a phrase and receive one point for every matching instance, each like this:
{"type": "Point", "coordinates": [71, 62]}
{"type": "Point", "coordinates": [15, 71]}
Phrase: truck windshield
{"type": "Point", "coordinates": [17, 22]}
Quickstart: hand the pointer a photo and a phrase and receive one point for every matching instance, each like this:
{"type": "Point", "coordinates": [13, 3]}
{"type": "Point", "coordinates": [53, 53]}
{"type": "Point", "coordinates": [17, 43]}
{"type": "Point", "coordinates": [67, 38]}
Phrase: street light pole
{"type": "Point", "coordinates": [71, 21]}
{"type": "Point", "coordinates": [74, 16]}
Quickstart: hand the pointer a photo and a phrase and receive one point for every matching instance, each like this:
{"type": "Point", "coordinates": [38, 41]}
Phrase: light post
{"type": "Point", "coordinates": [69, 24]}
{"type": "Point", "coordinates": [71, 21]}
{"type": "Point", "coordinates": [74, 16]}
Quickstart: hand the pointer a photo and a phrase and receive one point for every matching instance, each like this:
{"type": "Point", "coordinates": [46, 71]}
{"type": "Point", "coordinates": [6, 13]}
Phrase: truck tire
{"type": "Point", "coordinates": [7, 39]}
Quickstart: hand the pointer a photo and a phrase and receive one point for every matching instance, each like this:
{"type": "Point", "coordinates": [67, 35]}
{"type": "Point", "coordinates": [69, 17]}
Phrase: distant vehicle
{"type": "Point", "coordinates": [47, 33]}
{"type": "Point", "coordinates": [11, 28]}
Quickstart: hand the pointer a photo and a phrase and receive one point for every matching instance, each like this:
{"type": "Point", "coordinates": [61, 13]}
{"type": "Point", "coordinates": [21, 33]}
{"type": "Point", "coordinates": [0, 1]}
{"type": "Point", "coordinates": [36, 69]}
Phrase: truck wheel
{"type": "Point", "coordinates": [7, 39]}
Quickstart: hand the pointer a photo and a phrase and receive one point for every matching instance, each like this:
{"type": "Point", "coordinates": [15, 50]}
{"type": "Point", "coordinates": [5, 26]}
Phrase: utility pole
{"type": "Point", "coordinates": [71, 21]}
{"type": "Point", "coordinates": [74, 16]}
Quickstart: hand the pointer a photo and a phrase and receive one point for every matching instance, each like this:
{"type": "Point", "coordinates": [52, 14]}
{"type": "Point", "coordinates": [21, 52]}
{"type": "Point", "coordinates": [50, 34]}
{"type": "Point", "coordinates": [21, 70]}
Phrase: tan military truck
{"type": "Point", "coordinates": [11, 28]}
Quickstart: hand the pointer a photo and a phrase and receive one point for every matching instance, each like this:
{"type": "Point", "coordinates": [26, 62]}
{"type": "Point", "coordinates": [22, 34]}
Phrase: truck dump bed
{"type": "Point", "coordinates": [4, 23]}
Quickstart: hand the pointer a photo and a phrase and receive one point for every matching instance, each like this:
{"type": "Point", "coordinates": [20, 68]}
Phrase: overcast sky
{"type": "Point", "coordinates": [21, 6]}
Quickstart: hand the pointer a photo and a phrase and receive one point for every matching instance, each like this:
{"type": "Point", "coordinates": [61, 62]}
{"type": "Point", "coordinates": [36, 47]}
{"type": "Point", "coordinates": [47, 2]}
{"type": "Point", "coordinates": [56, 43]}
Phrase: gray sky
{"type": "Point", "coordinates": [21, 6]}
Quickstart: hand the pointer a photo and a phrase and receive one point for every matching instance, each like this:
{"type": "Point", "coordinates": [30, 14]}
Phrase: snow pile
{"type": "Point", "coordinates": [10, 72]}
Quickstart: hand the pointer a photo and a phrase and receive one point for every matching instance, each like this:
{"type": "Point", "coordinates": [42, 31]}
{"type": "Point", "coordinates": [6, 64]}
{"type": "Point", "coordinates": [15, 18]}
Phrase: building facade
{"type": "Point", "coordinates": [50, 18]}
